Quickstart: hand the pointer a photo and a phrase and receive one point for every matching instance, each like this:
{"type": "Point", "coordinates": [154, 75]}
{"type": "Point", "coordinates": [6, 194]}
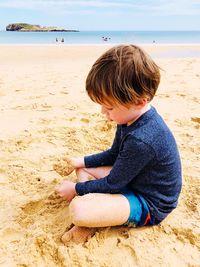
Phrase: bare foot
{"type": "Point", "coordinates": [77, 235]}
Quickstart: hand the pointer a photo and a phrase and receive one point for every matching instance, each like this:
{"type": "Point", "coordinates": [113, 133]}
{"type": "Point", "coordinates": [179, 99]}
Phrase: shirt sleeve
{"type": "Point", "coordinates": [105, 158]}
{"type": "Point", "coordinates": [133, 157]}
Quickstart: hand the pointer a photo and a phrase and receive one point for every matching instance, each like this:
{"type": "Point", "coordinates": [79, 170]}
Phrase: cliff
{"type": "Point", "coordinates": [24, 27]}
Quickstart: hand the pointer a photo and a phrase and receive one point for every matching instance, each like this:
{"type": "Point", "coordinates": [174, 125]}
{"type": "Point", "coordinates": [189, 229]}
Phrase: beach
{"type": "Point", "coordinates": [46, 115]}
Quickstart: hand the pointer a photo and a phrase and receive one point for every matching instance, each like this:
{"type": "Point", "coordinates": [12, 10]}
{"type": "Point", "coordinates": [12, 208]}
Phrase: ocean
{"type": "Point", "coordinates": [101, 37]}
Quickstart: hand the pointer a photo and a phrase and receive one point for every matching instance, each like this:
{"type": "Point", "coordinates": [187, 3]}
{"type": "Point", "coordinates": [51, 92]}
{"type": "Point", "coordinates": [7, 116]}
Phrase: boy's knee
{"type": "Point", "coordinates": [77, 211]}
{"type": "Point", "coordinates": [79, 170]}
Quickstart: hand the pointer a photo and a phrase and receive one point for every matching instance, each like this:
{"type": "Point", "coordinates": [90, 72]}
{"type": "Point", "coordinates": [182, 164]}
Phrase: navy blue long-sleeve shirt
{"type": "Point", "coordinates": [145, 158]}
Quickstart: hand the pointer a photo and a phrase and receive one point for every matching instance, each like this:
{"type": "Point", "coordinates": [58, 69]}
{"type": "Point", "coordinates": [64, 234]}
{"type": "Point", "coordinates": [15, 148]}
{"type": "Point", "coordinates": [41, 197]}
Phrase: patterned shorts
{"type": "Point", "coordinates": [139, 210]}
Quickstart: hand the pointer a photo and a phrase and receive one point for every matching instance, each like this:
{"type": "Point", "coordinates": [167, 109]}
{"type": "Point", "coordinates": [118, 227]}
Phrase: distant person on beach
{"type": "Point", "coordinates": [105, 39]}
{"type": "Point", "coordinates": [138, 180]}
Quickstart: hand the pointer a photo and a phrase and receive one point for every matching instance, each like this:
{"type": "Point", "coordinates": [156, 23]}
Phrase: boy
{"type": "Point", "coordinates": [138, 180]}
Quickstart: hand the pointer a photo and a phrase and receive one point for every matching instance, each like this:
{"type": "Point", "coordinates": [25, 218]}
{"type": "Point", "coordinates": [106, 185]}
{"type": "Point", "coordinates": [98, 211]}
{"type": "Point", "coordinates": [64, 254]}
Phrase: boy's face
{"type": "Point", "coordinates": [122, 114]}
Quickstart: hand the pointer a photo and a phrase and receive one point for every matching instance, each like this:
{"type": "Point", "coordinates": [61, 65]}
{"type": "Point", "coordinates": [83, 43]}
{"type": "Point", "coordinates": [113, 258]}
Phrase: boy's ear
{"type": "Point", "coordinates": [142, 102]}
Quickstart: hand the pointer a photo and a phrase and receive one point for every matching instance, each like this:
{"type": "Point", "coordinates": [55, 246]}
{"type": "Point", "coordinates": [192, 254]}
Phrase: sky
{"type": "Point", "coordinates": [104, 15]}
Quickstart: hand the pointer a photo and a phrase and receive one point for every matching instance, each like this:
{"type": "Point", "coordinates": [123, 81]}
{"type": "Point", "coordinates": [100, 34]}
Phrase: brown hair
{"type": "Point", "coordinates": [124, 74]}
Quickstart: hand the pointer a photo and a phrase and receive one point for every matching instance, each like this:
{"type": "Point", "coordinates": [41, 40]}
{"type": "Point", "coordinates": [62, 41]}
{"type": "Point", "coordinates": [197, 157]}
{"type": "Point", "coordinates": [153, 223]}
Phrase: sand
{"type": "Point", "coordinates": [46, 115]}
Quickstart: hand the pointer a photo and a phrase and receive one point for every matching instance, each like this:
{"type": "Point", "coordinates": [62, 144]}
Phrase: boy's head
{"type": "Point", "coordinates": [124, 74]}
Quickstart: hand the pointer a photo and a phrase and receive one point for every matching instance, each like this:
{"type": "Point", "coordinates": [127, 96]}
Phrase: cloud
{"type": "Point", "coordinates": [157, 7]}
{"type": "Point", "coordinates": [178, 7]}
{"type": "Point", "coordinates": [32, 4]}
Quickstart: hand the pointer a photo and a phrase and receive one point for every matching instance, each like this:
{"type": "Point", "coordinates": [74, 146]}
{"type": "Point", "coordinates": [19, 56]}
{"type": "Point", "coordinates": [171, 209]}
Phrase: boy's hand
{"type": "Point", "coordinates": [66, 165]}
{"type": "Point", "coordinates": [66, 190]}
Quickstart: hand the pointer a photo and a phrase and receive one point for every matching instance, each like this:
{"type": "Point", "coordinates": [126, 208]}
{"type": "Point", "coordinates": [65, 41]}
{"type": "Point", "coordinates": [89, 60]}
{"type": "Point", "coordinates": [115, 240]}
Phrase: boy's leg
{"type": "Point", "coordinates": [83, 174]}
{"type": "Point", "coordinates": [96, 210]}
{"type": "Point", "coordinates": [99, 210]}
{"type": "Point", "coordinates": [77, 233]}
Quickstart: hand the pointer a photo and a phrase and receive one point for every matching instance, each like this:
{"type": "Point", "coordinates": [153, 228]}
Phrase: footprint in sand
{"type": "Point", "coordinates": [45, 204]}
{"type": "Point", "coordinates": [85, 120]}
{"type": "Point", "coordinates": [11, 234]}
{"type": "Point", "coordinates": [187, 235]}
{"type": "Point", "coordinates": [32, 207]}
{"type": "Point", "coordinates": [195, 99]}
{"type": "Point", "coordinates": [195, 119]}
{"type": "Point", "coordinates": [65, 92]}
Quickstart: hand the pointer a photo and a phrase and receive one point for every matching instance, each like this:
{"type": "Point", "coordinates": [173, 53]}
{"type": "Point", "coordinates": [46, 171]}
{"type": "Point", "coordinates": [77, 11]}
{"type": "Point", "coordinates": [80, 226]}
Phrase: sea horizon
{"type": "Point", "coordinates": [101, 37]}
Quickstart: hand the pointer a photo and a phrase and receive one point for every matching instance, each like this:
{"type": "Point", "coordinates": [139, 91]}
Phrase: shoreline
{"type": "Point", "coordinates": [102, 44]}
{"type": "Point", "coordinates": [166, 51]}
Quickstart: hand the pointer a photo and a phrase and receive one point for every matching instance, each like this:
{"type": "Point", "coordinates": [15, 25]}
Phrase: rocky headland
{"type": "Point", "coordinates": [24, 27]}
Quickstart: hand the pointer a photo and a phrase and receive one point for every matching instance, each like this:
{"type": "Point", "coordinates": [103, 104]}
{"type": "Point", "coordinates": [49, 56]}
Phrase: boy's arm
{"type": "Point", "coordinates": [131, 160]}
{"type": "Point", "coordinates": [77, 162]}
